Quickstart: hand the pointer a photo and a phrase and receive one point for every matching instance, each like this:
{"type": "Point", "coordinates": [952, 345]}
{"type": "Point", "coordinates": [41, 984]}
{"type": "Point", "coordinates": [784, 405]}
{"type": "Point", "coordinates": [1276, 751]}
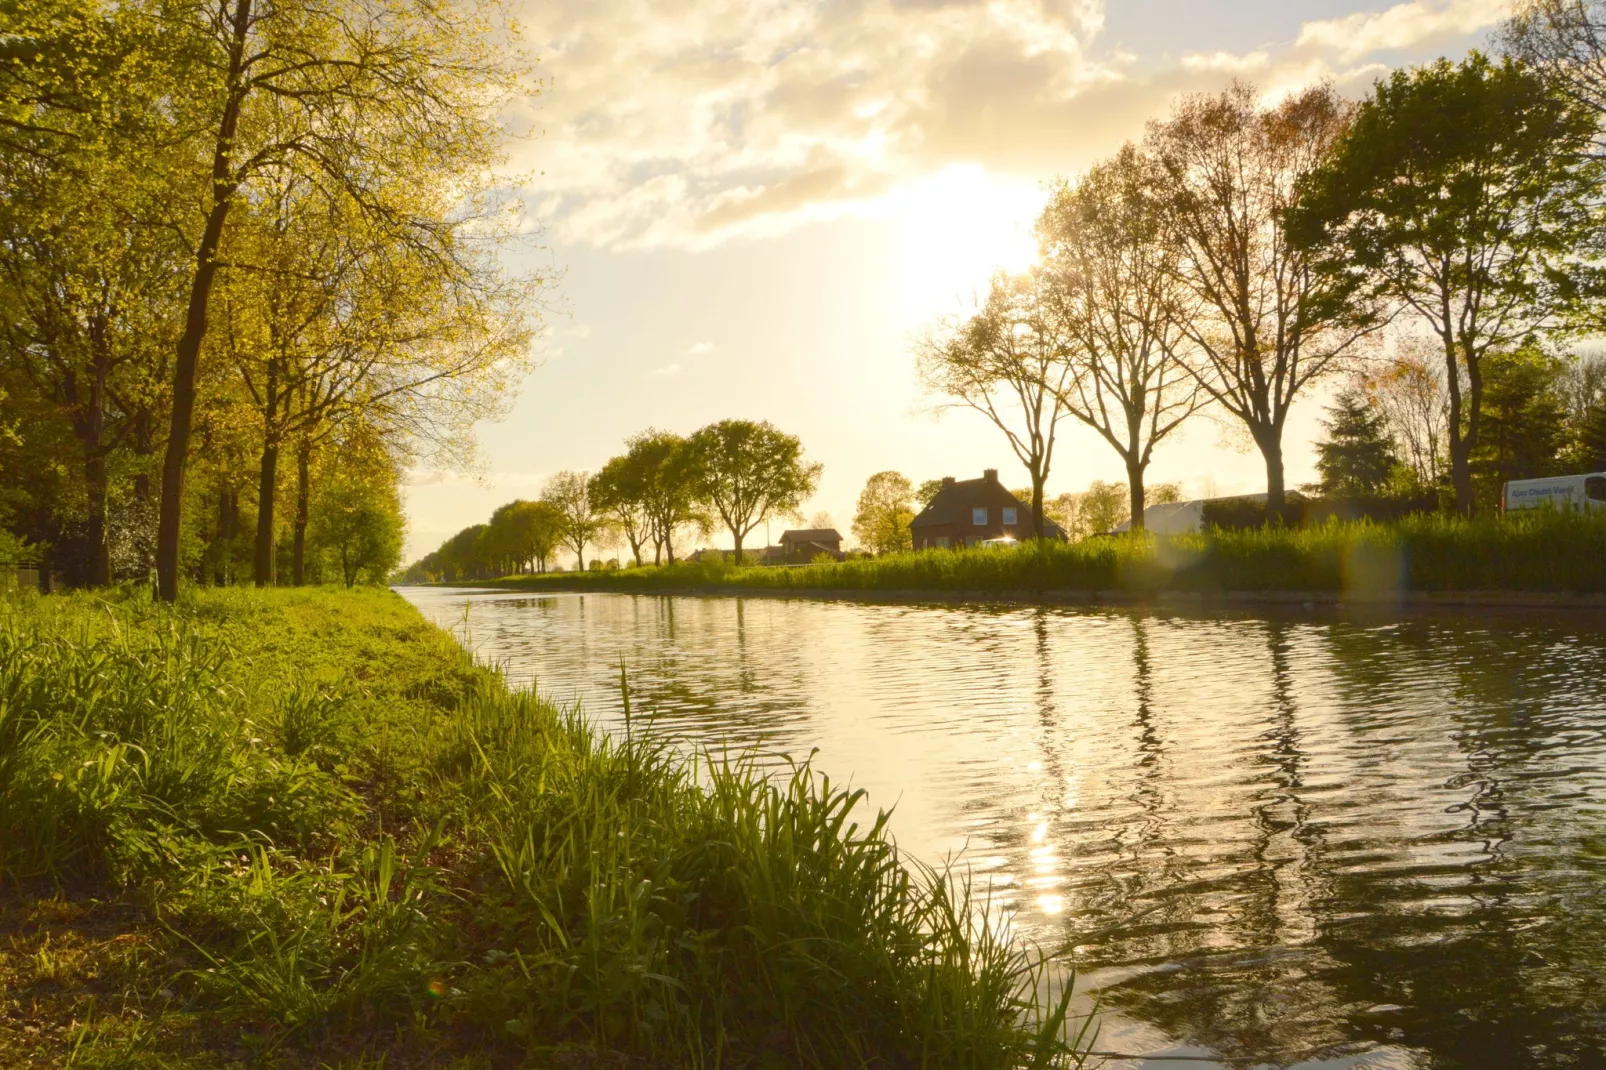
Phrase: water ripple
{"type": "Point", "coordinates": [1270, 840]}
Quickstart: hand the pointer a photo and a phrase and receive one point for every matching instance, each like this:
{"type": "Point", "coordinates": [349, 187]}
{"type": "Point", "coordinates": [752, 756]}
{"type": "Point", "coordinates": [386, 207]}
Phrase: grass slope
{"type": "Point", "coordinates": [1529, 552]}
{"type": "Point", "coordinates": [302, 829]}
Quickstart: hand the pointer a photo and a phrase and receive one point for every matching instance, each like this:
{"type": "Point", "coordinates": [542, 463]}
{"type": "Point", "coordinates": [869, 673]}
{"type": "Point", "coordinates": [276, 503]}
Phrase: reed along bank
{"type": "Point", "coordinates": [1538, 552]}
{"type": "Point", "coordinates": [303, 828]}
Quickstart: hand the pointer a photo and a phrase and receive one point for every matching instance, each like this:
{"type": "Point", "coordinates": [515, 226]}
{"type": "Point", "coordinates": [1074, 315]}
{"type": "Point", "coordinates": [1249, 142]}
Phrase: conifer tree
{"type": "Point", "coordinates": [1357, 458]}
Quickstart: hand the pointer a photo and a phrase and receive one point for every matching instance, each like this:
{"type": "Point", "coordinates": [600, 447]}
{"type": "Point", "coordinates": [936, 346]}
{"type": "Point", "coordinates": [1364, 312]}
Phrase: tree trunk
{"type": "Point", "coordinates": [267, 481]}
{"type": "Point", "coordinates": [1038, 478]}
{"type": "Point", "coordinates": [1463, 433]}
{"type": "Point", "coordinates": [1271, 448]}
{"type": "Point", "coordinates": [303, 494]}
{"type": "Point", "coordinates": [227, 517]}
{"type": "Point", "coordinates": [169, 523]}
{"type": "Point", "coordinates": [1461, 471]}
{"type": "Point", "coordinates": [1134, 483]}
{"type": "Point", "coordinates": [91, 428]}
{"type": "Point", "coordinates": [738, 537]}
{"type": "Point", "coordinates": [95, 484]}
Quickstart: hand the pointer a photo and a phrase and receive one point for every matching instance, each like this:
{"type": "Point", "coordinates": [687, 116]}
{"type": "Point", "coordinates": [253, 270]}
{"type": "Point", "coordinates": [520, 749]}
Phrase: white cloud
{"type": "Point", "coordinates": [667, 370]}
{"type": "Point", "coordinates": [1226, 61]}
{"type": "Point", "coordinates": [688, 122]}
{"type": "Point", "coordinates": [700, 349]}
{"type": "Point", "coordinates": [1407, 25]}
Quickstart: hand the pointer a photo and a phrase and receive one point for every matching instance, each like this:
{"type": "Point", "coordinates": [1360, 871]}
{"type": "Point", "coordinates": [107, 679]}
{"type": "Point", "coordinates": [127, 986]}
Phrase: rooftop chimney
{"type": "Point", "coordinates": [990, 475]}
{"type": "Point", "coordinates": [947, 481]}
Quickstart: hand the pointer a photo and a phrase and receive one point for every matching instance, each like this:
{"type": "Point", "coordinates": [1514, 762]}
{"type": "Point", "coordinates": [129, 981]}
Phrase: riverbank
{"type": "Point", "coordinates": [1537, 558]}
{"type": "Point", "coordinates": [302, 828]}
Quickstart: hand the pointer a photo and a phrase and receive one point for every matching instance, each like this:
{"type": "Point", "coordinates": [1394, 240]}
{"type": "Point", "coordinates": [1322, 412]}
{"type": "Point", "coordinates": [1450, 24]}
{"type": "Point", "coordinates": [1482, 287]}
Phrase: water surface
{"type": "Point", "coordinates": [1292, 839]}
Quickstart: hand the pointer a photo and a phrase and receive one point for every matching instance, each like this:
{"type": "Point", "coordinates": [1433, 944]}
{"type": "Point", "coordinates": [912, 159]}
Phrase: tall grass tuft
{"type": "Point", "coordinates": [342, 836]}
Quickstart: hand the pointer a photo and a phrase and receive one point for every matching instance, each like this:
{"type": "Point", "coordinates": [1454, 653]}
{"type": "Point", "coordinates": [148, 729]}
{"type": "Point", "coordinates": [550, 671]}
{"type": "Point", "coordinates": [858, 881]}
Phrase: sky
{"type": "Point", "coordinates": [755, 208]}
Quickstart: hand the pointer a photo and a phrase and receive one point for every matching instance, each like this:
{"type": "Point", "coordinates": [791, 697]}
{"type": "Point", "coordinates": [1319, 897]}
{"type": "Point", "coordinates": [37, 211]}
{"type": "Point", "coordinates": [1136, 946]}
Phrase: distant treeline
{"type": "Point", "coordinates": [733, 474]}
{"type": "Point", "coordinates": [1533, 551]}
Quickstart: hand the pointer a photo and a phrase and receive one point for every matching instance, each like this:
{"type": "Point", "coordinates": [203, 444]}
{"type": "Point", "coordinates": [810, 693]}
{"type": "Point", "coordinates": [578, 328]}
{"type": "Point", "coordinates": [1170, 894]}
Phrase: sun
{"type": "Point", "coordinates": [954, 229]}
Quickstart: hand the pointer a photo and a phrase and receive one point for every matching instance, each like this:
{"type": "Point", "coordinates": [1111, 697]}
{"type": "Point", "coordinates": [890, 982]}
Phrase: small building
{"type": "Point", "coordinates": [805, 544]}
{"type": "Point", "coordinates": [966, 512]}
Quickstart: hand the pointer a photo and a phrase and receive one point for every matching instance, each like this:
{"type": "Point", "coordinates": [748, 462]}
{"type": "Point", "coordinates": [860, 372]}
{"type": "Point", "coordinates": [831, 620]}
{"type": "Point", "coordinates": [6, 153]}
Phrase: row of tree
{"type": "Point", "coordinates": [1240, 254]}
{"type": "Point", "coordinates": [1540, 415]}
{"type": "Point", "coordinates": [247, 252]}
{"type": "Point", "coordinates": [735, 474]}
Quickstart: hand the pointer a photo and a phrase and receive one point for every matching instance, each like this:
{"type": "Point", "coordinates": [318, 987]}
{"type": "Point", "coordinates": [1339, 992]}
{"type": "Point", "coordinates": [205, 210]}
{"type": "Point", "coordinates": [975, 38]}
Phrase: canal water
{"type": "Point", "coordinates": [1283, 839]}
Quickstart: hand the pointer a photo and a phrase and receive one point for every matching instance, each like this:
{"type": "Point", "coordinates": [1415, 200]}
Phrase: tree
{"type": "Point", "coordinates": [1103, 505]}
{"type": "Point", "coordinates": [1590, 450]}
{"type": "Point", "coordinates": [1464, 194]}
{"type": "Point", "coordinates": [670, 498]}
{"type": "Point", "coordinates": [1524, 421]}
{"type": "Point", "coordinates": [569, 494]}
{"type": "Point", "coordinates": [1095, 511]}
{"type": "Point", "coordinates": [86, 292]}
{"type": "Point", "coordinates": [330, 319]}
{"type": "Point", "coordinates": [1268, 328]}
{"type": "Point", "coordinates": [886, 506]}
{"type": "Point", "coordinates": [1357, 457]}
{"type": "Point", "coordinates": [1165, 493]}
{"type": "Point", "coordinates": [1583, 385]}
{"type": "Point", "coordinates": [1066, 510]}
{"type": "Point", "coordinates": [1010, 363]}
{"type": "Point", "coordinates": [748, 472]}
{"type": "Point", "coordinates": [1408, 391]}
{"type": "Point", "coordinates": [1116, 293]}
{"type": "Point", "coordinates": [927, 491]}
{"type": "Point", "coordinates": [357, 523]}
{"type": "Point", "coordinates": [376, 102]}
{"type": "Point", "coordinates": [1566, 40]}
{"type": "Point", "coordinates": [529, 530]}
{"type": "Point", "coordinates": [622, 490]}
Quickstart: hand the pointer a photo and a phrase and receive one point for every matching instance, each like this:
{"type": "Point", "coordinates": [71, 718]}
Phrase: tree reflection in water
{"type": "Point", "coordinates": [1276, 838]}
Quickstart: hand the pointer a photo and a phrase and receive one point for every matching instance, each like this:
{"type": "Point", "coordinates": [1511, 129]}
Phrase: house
{"type": "Point", "coordinates": [968, 511]}
{"type": "Point", "coordinates": [803, 545]}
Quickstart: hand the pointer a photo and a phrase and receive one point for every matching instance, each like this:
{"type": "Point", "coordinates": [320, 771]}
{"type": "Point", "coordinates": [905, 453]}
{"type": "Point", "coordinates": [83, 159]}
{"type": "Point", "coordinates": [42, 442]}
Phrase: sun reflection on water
{"type": "Point", "coordinates": [1267, 839]}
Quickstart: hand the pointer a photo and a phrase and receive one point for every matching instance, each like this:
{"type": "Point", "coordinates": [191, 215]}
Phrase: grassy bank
{"type": "Point", "coordinates": [302, 829]}
{"type": "Point", "coordinates": [1529, 552]}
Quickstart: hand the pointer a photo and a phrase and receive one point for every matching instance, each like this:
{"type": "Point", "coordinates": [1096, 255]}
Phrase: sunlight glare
{"type": "Point", "coordinates": [954, 229]}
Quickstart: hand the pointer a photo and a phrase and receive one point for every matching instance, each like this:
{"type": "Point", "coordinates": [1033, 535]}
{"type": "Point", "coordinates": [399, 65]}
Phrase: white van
{"type": "Point", "coordinates": [1561, 492]}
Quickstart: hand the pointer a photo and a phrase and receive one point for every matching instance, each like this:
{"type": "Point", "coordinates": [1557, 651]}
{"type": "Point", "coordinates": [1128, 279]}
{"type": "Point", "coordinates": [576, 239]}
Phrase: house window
{"type": "Point", "coordinates": [1009, 517]}
{"type": "Point", "coordinates": [942, 542]}
{"type": "Point", "coordinates": [978, 517]}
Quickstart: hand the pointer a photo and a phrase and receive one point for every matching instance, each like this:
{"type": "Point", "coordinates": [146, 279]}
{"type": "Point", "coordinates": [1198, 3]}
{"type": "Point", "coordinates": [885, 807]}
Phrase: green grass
{"type": "Point", "coordinates": [1528, 552]}
{"type": "Point", "coordinates": [302, 829]}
